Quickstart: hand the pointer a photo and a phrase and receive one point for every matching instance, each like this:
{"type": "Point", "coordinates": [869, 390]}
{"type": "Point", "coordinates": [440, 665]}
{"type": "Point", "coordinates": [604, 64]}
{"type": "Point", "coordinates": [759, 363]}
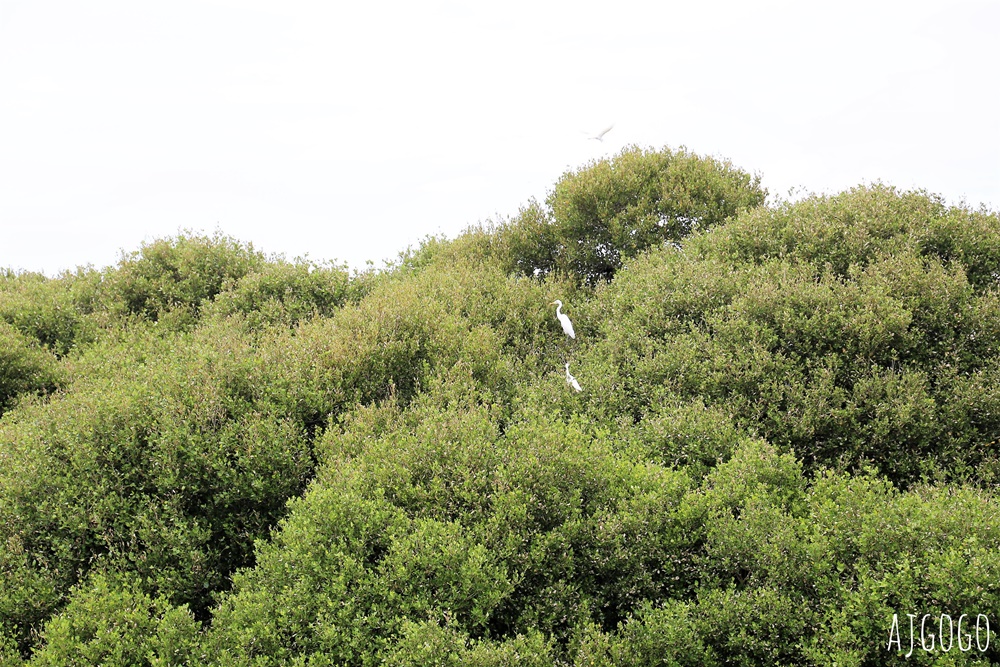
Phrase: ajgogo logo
{"type": "Point", "coordinates": [944, 639]}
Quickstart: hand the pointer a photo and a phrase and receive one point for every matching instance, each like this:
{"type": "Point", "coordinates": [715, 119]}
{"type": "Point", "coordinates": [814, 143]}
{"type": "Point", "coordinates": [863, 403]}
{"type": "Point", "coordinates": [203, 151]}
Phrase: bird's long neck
{"type": "Point", "coordinates": [558, 309]}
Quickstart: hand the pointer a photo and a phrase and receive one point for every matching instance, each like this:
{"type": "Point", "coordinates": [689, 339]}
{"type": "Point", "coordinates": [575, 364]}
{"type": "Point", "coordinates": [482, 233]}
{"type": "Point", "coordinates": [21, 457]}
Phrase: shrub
{"type": "Point", "coordinates": [53, 311]}
{"type": "Point", "coordinates": [846, 358]}
{"type": "Point", "coordinates": [793, 572]}
{"type": "Point", "coordinates": [9, 656]}
{"type": "Point", "coordinates": [114, 623]}
{"type": "Point", "coordinates": [429, 513]}
{"type": "Point", "coordinates": [529, 244]}
{"type": "Point", "coordinates": [613, 209]}
{"type": "Point", "coordinates": [174, 451]}
{"type": "Point", "coordinates": [859, 226]}
{"type": "Point", "coordinates": [431, 644]}
{"type": "Point", "coordinates": [185, 271]}
{"type": "Point", "coordinates": [24, 368]}
{"type": "Point", "coordinates": [158, 465]}
{"type": "Point", "coordinates": [285, 293]}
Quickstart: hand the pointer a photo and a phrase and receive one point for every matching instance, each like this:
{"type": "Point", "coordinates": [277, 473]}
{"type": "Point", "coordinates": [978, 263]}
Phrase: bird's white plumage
{"type": "Point", "coordinates": [567, 326]}
{"type": "Point", "coordinates": [600, 135]}
{"type": "Point", "coordinates": [572, 380]}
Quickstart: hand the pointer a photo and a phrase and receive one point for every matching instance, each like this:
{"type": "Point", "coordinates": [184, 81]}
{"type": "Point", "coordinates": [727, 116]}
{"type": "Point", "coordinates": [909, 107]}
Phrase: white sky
{"type": "Point", "coordinates": [349, 130]}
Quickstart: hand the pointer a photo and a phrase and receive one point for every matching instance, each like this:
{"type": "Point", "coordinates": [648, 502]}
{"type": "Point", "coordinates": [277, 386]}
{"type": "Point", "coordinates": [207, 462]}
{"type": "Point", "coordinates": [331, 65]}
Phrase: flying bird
{"type": "Point", "coordinates": [567, 326]}
{"type": "Point", "coordinates": [570, 380]}
{"type": "Point", "coordinates": [600, 135]}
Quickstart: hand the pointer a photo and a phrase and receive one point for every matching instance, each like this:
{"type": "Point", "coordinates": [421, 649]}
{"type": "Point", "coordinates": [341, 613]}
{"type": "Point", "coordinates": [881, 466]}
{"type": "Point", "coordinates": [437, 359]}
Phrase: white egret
{"type": "Point", "coordinates": [600, 135]}
{"type": "Point", "coordinates": [571, 380]}
{"type": "Point", "coordinates": [563, 319]}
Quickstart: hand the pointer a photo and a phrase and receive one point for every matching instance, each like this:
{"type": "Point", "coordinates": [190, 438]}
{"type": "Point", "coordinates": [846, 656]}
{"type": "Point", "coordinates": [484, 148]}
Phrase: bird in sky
{"type": "Point", "coordinates": [567, 326]}
{"type": "Point", "coordinates": [570, 380]}
{"type": "Point", "coordinates": [600, 135]}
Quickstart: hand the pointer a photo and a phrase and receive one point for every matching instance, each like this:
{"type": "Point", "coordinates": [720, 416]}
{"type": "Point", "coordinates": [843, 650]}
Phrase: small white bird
{"type": "Point", "coordinates": [600, 135]}
{"type": "Point", "coordinates": [563, 319]}
{"type": "Point", "coordinates": [571, 380]}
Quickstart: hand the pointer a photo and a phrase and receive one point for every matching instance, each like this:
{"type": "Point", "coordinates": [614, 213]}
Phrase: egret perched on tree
{"type": "Point", "coordinates": [563, 319]}
{"type": "Point", "coordinates": [570, 380]}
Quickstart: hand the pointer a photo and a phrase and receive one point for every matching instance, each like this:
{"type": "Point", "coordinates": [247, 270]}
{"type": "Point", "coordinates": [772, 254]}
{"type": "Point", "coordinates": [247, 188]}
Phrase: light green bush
{"type": "Point", "coordinates": [114, 623]}
{"type": "Point", "coordinates": [9, 655]}
{"type": "Point", "coordinates": [431, 644]}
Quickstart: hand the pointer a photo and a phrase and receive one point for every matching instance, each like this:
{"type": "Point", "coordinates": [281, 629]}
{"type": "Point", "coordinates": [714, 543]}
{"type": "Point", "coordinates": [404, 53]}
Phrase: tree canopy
{"type": "Point", "coordinates": [787, 435]}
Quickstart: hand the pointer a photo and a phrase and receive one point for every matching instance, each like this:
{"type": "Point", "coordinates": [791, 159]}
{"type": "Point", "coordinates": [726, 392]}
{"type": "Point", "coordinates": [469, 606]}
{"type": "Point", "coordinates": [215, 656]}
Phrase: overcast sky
{"type": "Point", "coordinates": [349, 130]}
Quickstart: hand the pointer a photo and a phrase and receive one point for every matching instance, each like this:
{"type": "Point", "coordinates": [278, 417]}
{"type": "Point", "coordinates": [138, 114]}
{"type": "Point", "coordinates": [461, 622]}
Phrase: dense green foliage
{"type": "Point", "coordinates": [845, 328]}
{"type": "Point", "coordinates": [114, 623]}
{"type": "Point", "coordinates": [56, 313]}
{"type": "Point", "coordinates": [183, 273]}
{"type": "Point", "coordinates": [24, 367]}
{"type": "Point", "coordinates": [611, 210]}
{"type": "Point", "coordinates": [787, 433]}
